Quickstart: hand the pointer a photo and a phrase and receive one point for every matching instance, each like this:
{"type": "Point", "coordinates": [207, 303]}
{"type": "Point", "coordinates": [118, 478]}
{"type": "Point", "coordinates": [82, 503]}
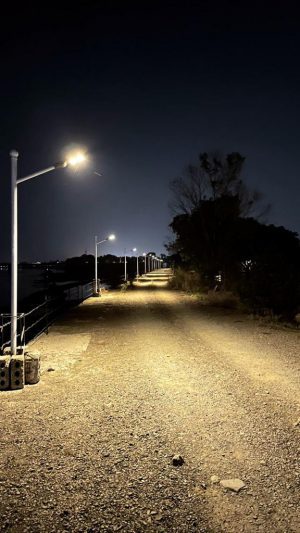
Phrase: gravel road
{"type": "Point", "coordinates": [128, 381]}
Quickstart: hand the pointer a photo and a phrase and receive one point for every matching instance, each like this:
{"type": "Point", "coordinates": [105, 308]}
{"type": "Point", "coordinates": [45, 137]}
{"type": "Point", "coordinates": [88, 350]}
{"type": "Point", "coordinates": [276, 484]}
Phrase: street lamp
{"type": "Point", "coordinates": [109, 238]}
{"type": "Point", "coordinates": [150, 262]}
{"type": "Point", "coordinates": [137, 261]}
{"type": "Point", "coordinates": [73, 160]}
{"type": "Point", "coordinates": [145, 261]}
{"type": "Point", "coordinates": [125, 265]}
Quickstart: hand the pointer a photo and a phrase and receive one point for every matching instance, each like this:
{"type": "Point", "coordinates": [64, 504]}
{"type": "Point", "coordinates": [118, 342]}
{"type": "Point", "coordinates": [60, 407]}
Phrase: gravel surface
{"type": "Point", "coordinates": [133, 381]}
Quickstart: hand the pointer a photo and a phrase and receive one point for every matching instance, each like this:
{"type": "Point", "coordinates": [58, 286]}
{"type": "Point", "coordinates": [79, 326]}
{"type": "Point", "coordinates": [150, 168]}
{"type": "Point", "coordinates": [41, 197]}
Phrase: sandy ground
{"type": "Point", "coordinates": [129, 380]}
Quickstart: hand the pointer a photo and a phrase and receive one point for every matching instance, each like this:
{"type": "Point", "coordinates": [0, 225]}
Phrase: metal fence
{"type": "Point", "coordinates": [38, 319]}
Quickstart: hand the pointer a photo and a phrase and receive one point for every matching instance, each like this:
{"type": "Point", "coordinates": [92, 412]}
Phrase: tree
{"type": "Point", "coordinates": [208, 202]}
{"type": "Point", "coordinates": [269, 276]}
{"type": "Point", "coordinates": [206, 238]}
{"type": "Point", "coordinates": [215, 234]}
{"type": "Point", "coordinates": [213, 177]}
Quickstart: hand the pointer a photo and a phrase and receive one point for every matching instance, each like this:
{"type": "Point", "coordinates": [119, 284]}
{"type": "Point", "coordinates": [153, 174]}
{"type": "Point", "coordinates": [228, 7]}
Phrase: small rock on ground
{"type": "Point", "coordinates": [177, 460]}
{"type": "Point", "coordinates": [232, 484]}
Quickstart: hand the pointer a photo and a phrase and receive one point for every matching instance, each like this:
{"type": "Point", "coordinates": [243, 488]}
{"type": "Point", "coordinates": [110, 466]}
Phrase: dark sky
{"type": "Point", "coordinates": [145, 88]}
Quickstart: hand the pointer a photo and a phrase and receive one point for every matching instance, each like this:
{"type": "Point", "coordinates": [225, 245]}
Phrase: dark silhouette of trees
{"type": "Point", "coordinates": [213, 177]}
{"type": "Point", "coordinates": [216, 236]}
{"type": "Point", "coordinates": [270, 277]}
{"type": "Point", "coordinates": [110, 269]}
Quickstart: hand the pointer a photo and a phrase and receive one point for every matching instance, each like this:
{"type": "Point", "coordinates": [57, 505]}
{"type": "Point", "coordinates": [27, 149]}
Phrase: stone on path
{"type": "Point", "coordinates": [177, 460]}
{"type": "Point", "coordinates": [232, 484]}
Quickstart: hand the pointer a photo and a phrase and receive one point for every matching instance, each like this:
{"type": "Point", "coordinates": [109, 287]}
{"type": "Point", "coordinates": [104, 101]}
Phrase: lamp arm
{"type": "Point", "coordinates": [61, 164]}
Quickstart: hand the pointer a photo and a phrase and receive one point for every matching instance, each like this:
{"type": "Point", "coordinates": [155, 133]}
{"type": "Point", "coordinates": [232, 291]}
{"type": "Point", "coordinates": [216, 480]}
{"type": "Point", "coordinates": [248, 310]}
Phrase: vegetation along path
{"type": "Point", "coordinates": [130, 380]}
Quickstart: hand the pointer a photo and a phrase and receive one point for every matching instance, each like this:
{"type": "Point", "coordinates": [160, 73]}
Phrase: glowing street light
{"type": "Point", "coordinates": [137, 261]}
{"type": "Point", "coordinates": [152, 262]}
{"type": "Point", "coordinates": [145, 261]}
{"type": "Point", "coordinates": [109, 238]}
{"type": "Point", "coordinates": [74, 160]}
{"type": "Point", "coordinates": [125, 265]}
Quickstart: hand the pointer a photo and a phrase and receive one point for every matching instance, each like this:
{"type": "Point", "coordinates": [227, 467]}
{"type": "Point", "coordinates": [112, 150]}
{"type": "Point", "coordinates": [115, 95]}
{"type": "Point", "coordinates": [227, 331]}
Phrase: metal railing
{"type": "Point", "coordinates": [5, 330]}
{"type": "Point", "coordinates": [38, 319]}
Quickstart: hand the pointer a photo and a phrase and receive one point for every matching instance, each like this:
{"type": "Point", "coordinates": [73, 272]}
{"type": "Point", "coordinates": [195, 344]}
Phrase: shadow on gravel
{"type": "Point", "coordinates": [114, 313]}
{"type": "Point", "coordinates": [117, 314]}
{"type": "Point", "coordinates": [86, 318]}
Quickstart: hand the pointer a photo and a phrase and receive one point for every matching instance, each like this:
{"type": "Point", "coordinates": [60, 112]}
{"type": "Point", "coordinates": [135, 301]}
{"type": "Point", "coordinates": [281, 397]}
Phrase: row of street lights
{"type": "Point", "coordinates": [153, 262]}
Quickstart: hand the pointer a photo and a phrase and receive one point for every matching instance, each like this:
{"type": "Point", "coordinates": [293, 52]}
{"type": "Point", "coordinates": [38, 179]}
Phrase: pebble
{"type": "Point", "coordinates": [234, 484]}
{"type": "Point", "coordinates": [177, 460]}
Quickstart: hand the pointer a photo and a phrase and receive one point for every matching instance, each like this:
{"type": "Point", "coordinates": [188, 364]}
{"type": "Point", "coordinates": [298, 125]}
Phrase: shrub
{"type": "Point", "coordinates": [186, 280]}
{"type": "Point", "coordinates": [225, 299]}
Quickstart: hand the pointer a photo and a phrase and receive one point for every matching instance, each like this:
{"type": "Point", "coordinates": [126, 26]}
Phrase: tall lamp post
{"type": "Point", "coordinates": [150, 262]}
{"type": "Point", "coordinates": [73, 161]}
{"type": "Point", "coordinates": [125, 266]}
{"type": "Point", "coordinates": [145, 261]}
{"type": "Point", "coordinates": [109, 238]}
{"type": "Point", "coordinates": [137, 261]}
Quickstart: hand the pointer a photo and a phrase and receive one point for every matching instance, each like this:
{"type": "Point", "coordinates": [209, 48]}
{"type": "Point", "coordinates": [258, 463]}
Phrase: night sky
{"type": "Point", "coordinates": [144, 88]}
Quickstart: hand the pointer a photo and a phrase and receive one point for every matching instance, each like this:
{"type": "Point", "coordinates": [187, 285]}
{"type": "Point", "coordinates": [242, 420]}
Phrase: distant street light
{"type": "Point", "coordinates": [145, 261]}
{"type": "Point", "coordinates": [137, 262]}
{"type": "Point", "coordinates": [125, 265]}
{"type": "Point", "coordinates": [74, 160]}
{"type": "Point", "coordinates": [109, 238]}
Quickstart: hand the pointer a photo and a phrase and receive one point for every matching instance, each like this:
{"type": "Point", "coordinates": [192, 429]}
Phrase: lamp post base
{"type": "Point", "coordinates": [19, 370]}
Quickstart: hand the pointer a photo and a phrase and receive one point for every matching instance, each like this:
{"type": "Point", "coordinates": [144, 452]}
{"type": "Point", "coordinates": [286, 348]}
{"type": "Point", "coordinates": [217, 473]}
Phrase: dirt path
{"type": "Point", "coordinates": [132, 379]}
